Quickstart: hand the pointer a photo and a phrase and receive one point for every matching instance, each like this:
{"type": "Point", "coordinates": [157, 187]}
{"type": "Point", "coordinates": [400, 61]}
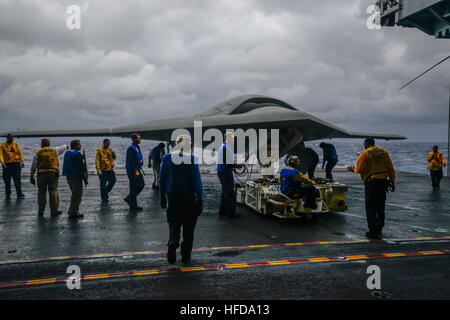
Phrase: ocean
{"type": "Point", "coordinates": [406, 156]}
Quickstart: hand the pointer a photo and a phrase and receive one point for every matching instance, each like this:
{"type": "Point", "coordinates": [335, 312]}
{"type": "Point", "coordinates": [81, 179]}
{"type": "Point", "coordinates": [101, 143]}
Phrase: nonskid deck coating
{"type": "Point", "coordinates": [414, 211]}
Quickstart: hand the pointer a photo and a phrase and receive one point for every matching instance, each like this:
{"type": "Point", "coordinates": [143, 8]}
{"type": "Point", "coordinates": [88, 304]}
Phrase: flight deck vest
{"type": "Point", "coordinates": [70, 167]}
{"type": "Point", "coordinates": [436, 162]}
{"type": "Point", "coordinates": [377, 164]}
{"type": "Point", "coordinates": [288, 184]}
{"type": "Point", "coordinates": [106, 160]}
{"type": "Point", "coordinates": [11, 152]}
{"type": "Point", "coordinates": [47, 160]}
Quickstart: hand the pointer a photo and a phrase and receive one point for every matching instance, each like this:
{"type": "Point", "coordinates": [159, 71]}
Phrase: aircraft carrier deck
{"type": "Point", "coordinates": [123, 255]}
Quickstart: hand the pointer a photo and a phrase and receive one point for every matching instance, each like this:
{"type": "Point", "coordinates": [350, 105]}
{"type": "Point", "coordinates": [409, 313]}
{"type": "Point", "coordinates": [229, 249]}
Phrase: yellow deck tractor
{"type": "Point", "coordinates": [265, 197]}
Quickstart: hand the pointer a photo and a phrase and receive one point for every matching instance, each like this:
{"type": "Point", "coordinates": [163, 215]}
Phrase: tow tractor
{"type": "Point", "coordinates": [264, 196]}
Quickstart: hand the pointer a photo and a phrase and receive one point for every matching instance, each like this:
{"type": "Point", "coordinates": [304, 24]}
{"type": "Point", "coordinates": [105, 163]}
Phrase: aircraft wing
{"type": "Point", "coordinates": [312, 127]}
{"type": "Point", "coordinates": [245, 112]}
{"type": "Point", "coordinates": [44, 133]}
{"type": "Point", "coordinates": [375, 135]}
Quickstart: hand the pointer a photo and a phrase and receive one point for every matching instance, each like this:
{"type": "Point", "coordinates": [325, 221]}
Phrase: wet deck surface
{"type": "Point", "coordinates": [110, 243]}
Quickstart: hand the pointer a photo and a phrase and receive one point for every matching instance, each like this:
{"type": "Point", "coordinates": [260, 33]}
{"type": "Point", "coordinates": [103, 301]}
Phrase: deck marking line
{"type": "Point", "coordinates": [357, 257]}
{"type": "Point", "coordinates": [225, 266]}
{"type": "Point", "coordinates": [95, 276]}
{"type": "Point", "coordinates": [40, 281]}
{"type": "Point", "coordinates": [144, 272]}
{"type": "Point", "coordinates": [237, 265]}
{"type": "Point", "coordinates": [318, 259]}
{"type": "Point", "coordinates": [193, 269]}
{"type": "Point", "coordinates": [274, 263]}
{"type": "Point", "coordinates": [100, 255]}
{"type": "Point", "coordinates": [388, 255]}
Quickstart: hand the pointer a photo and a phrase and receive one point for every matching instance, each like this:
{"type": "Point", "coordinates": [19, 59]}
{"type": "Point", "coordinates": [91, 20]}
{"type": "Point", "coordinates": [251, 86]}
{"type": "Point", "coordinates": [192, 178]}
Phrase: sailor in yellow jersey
{"type": "Point", "coordinates": [435, 163]}
{"type": "Point", "coordinates": [12, 162]}
{"type": "Point", "coordinates": [46, 163]}
{"type": "Point", "coordinates": [104, 163]}
{"type": "Point", "coordinates": [375, 167]}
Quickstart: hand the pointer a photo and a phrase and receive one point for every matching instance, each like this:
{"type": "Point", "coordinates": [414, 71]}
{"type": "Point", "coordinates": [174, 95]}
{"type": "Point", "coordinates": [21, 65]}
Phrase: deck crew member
{"type": "Point", "coordinates": [74, 170]}
{"type": "Point", "coordinates": [295, 185]}
{"type": "Point", "coordinates": [308, 159]}
{"type": "Point", "coordinates": [12, 162]}
{"type": "Point", "coordinates": [225, 166]}
{"type": "Point", "coordinates": [154, 161]}
{"type": "Point", "coordinates": [329, 157]}
{"type": "Point", "coordinates": [313, 164]}
{"type": "Point", "coordinates": [133, 164]}
{"type": "Point", "coordinates": [180, 187]}
{"type": "Point", "coordinates": [435, 163]}
{"type": "Point", "coordinates": [375, 167]}
{"type": "Point", "coordinates": [46, 162]}
{"type": "Point", "coordinates": [104, 163]}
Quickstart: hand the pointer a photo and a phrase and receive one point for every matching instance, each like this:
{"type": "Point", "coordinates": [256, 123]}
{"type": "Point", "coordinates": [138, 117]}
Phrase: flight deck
{"type": "Point", "coordinates": [122, 255]}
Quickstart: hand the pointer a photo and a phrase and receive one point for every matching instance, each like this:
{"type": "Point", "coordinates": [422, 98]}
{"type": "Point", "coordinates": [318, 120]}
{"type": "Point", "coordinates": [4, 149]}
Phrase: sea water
{"type": "Point", "coordinates": [406, 155]}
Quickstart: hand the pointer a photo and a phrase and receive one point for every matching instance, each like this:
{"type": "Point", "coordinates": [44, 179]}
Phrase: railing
{"type": "Point", "coordinates": [386, 5]}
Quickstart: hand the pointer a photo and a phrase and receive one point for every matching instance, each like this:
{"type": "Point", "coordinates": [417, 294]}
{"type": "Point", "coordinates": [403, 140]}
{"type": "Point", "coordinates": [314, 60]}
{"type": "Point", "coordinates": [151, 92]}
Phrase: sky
{"type": "Point", "coordinates": [140, 60]}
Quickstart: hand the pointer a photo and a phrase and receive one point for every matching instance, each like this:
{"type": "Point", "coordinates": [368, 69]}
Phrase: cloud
{"type": "Point", "coordinates": [138, 60]}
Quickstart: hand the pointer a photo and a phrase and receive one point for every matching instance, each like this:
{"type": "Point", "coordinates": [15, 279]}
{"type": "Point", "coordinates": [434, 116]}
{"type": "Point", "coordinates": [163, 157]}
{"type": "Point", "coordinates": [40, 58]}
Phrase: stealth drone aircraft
{"type": "Point", "coordinates": [242, 112]}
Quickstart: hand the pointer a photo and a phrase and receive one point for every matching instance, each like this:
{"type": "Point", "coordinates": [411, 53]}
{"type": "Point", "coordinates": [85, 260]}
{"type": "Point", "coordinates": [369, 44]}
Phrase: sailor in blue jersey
{"type": "Point", "coordinates": [73, 169]}
{"type": "Point", "coordinates": [181, 190]}
{"type": "Point", "coordinates": [314, 162]}
{"type": "Point", "coordinates": [225, 166]}
{"type": "Point", "coordinates": [133, 164]}
{"type": "Point", "coordinates": [329, 157]}
{"type": "Point", "coordinates": [295, 185]}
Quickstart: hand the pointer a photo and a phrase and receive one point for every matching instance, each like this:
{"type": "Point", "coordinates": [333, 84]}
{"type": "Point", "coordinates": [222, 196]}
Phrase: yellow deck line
{"type": "Point", "coordinates": [237, 265]}
{"type": "Point", "coordinates": [96, 276]}
{"type": "Point", "coordinates": [318, 259]}
{"type": "Point", "coordinates": [356, 257]}
{"type": "Point", "coordinates": [144, 272]}
{"type": "Point", "coordinates": [273, 263]}
{"type": "Point", "coordinates": [193, 269]}
{"type": "Point", "coordinates": [431, 252]}
{"type": "Point", "coordinates": [393, 255]}
{"type": "Point", "coordinates": [216, 248]}
{"type": "Point", "coordinates": [40, 281]}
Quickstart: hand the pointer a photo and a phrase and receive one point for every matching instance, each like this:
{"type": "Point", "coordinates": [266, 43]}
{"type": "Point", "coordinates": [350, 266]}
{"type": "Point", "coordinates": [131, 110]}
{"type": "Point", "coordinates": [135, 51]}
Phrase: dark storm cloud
{"type": "Point", "coordinates": [138, 60]}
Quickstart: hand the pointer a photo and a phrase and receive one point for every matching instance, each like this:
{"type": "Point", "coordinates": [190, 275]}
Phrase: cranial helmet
{"type": "Point", "coordinates": [291, 160]}
{"type": "Point", "coordinates": [184, 141]}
